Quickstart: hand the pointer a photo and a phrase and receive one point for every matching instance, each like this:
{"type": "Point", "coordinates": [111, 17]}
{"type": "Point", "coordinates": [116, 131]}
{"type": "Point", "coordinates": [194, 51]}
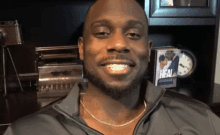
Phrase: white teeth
{"type": "Point", "coordinates": [117, 66]}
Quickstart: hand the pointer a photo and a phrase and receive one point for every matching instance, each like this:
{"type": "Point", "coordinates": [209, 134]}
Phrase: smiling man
{"type": "Point", "coordinates": [118, 100]}
{"type": "Point", "coordinates": [116, 52]}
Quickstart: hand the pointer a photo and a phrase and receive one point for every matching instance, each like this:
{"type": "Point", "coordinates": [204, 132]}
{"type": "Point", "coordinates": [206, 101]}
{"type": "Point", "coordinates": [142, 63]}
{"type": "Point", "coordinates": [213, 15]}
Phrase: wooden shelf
{"type": "Point", "coordinates": [23, 77]}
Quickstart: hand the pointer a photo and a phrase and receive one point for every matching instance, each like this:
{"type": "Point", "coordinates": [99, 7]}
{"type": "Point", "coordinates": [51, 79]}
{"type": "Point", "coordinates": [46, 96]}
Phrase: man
{"type": "Point", "coordinates": [170, 55]}
{"type": "Point", "coordinates": [116, 52]}
{"type": "Point", "coordinates": [161, 70]}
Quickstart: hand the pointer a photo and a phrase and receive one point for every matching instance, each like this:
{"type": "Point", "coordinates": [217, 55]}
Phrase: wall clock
{"type": "Point", "coordinates": [187, 63]}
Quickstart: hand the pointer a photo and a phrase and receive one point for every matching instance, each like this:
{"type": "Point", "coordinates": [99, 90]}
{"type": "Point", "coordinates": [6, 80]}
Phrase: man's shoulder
{"type": "Point", "coordinates": [38, 117]}
{"type": "Point", "coordinates": [43, 120]}
{"type": "Point", "coordinates": [189, 113]}
{"type": "Point", "coordinates": [172, 98]}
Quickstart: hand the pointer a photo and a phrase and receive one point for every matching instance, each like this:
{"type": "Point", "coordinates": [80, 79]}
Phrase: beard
{"type": "Point", "coordinates": [115, 92]}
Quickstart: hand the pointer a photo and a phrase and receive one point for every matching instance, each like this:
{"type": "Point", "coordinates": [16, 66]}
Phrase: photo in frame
{"type": "Point", "coordinates": [165, 67]}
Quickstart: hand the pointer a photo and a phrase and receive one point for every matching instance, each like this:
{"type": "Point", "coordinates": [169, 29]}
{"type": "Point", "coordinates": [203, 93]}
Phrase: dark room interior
{"type": "Point", "coordinates": [60, 23]}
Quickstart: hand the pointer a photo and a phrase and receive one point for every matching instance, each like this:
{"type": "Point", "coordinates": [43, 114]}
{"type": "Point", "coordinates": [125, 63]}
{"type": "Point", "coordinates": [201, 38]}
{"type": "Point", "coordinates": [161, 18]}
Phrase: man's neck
{"type": "Point", "coordinates": [110, 110]}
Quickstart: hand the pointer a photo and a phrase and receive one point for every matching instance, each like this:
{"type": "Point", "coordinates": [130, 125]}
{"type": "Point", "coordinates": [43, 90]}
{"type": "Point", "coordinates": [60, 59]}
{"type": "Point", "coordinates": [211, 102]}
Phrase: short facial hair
{"type": "Point", "coordinates": [112, 91]}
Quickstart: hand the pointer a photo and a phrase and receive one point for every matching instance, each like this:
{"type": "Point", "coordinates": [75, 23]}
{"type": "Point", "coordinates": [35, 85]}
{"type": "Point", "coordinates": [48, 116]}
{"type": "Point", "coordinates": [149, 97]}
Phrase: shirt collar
{"type": "Point", "coordinates": [70, 104]}
{"type": "Point", "coordinates": [153, 95]}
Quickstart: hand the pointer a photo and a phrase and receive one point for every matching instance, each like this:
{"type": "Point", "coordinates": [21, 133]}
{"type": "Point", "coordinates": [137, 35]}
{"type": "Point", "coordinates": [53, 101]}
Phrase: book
{"type": "Point", "coordinates": [163, 67]}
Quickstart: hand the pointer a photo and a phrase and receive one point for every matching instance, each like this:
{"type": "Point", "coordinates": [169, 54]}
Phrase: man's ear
{"type": "Point", "coordinates": [80, 46]}
{"type": "Point", "coordinates": [150, 45]}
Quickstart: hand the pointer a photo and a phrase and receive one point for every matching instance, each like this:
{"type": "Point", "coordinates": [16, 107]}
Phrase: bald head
{"type": "Point", "coordinates": [115, 30]}
{"type": "Point", "coordinates": [117, 7]}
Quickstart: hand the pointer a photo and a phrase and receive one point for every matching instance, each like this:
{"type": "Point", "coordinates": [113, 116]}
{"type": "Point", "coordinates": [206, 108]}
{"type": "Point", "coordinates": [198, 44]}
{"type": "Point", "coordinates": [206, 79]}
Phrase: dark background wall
{"type": "Point", "coordinates": [46, 23]}
{"type": "Point", "coordinates": [43, 23]}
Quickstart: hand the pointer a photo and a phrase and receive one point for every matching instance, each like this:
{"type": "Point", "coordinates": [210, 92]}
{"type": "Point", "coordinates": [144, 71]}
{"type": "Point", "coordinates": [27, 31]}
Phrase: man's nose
{"type": "Point", "coordinates": [119, 44]}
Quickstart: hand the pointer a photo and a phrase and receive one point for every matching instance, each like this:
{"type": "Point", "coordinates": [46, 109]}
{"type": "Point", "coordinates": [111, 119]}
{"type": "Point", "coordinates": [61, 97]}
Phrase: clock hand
{"type": "Point", "coordinates": [182, 65]}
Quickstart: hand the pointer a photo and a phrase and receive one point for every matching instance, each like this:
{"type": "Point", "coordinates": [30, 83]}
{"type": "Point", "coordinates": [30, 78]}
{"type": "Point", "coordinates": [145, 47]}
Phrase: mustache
{"type": "Point", "coordinates": [117, 57]}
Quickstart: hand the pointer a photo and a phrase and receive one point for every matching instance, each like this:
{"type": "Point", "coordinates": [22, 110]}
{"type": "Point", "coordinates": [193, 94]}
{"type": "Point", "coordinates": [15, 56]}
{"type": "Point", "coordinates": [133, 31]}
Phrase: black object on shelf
{"type": "Point", "coordinates": [191, 15]}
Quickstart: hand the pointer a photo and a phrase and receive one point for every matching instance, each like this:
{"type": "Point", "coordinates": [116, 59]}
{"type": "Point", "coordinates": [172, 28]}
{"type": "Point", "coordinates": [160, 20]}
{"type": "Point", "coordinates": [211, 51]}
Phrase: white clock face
{"type": "Point", "coordinates": [185, 65]}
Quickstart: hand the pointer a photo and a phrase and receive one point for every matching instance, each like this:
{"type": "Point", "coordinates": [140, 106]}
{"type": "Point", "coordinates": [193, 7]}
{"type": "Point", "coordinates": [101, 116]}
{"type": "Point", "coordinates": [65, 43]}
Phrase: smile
{"type": "Point", "coordinates": [117, 69]}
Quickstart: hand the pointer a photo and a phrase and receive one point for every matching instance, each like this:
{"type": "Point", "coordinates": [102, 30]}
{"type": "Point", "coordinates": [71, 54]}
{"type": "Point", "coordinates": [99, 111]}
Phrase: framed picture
{"type": "Point", "coordinates": [165, 67]}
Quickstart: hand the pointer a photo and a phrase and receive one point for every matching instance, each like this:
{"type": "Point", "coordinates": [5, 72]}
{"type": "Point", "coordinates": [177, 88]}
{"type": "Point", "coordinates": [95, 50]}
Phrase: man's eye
{"type": "Point", "coordinates": [102, 34]}
{"type": "Point", "coordinates": [133, 35]}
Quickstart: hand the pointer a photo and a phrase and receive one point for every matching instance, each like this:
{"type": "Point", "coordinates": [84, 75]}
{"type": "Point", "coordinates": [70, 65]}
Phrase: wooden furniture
{"type": "Point", "coordinates": [164, 16]}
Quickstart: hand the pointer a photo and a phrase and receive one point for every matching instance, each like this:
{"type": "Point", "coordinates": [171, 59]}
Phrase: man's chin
{"type": "Point", "coordinates": [115, 91]}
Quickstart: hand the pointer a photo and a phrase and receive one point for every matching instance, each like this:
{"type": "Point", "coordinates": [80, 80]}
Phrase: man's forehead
{"type": "Point", "coordinates": [116, 8]}
{"type": "Point", "coordinates": [114, 4]}
{"type": "Point", "coordinates": [108, 22]}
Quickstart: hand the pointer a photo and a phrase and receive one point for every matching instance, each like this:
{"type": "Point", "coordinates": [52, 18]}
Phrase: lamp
{"type": "Point", "coordinates": [9, 35]}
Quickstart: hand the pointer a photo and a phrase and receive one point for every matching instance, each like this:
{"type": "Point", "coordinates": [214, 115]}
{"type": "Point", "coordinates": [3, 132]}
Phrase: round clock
{"type": "Point", "coordinates": [187, 63]}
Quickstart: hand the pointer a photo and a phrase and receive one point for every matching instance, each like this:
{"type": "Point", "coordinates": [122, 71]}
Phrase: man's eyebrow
{"type": "Point", "coordinates": [128, 23]}
{"type": "Point", "coordinates": [103, 22]}
{"type": "Point", "coordinates": [134, 22]}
